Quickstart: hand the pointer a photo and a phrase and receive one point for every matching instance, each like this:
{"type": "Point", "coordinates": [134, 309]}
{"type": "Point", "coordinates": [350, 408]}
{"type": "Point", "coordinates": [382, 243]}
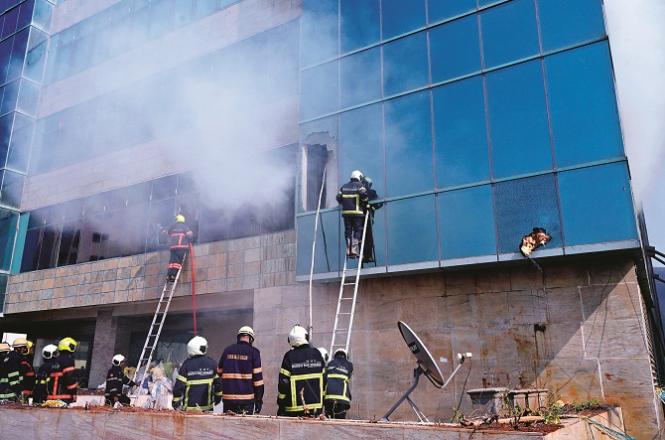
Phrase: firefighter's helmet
{"type": "Point", "coordinates": [180, 218]}
{"type": "Point", "coordinates": [50, 351]}
{"type": "Point", "coordinates": [68, 344]}
{"type": "Point", "coordinates": [19, 342]}
{"type": "Point", "coordinates": [4, 347]}
{"type": "Point", "coordinates": [246, 330]}
{"type": "Point", "coordinates": [298, 336]}
{"type": "Point", "coordinates": [341, 351]}
{"type": "Point", "coordinates": [324, 354]}
{"type": "Point", "coordinates": [356, 175]}
{"type": "Point", "coordinates": [197, 346]}
{"type": "Point", "coordinates": [368, 182]}
{"type": "Point", "coordinates": [117, 360]}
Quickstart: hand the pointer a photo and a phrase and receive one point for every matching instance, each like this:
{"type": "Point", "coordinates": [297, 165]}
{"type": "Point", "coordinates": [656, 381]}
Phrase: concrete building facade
{"type": "Point", "coordinates": [437, 125]}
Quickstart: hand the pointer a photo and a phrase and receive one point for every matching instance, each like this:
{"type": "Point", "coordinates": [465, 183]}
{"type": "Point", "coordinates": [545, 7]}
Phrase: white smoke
{"type": "Point", "coordinates": [637, 38]}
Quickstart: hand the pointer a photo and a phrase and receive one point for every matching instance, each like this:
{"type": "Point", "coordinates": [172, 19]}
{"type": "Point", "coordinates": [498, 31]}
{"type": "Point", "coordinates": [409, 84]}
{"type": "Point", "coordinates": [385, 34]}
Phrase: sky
{"type": "Point", "coordinates": [637, 40]}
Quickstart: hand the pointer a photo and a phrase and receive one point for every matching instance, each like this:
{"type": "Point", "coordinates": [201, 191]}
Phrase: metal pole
{"type": "Point", "coordinates": [311, 267]}
{"type": "Point", "coordinates": [416, 374]}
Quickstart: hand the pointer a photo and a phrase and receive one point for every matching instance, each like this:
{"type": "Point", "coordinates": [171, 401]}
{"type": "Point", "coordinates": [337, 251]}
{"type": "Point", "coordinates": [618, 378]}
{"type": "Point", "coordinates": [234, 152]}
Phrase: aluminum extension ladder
{"type": "Point", "coordinates": [346, 305]}
{"type": "Point", "coordinates": [155, 329]}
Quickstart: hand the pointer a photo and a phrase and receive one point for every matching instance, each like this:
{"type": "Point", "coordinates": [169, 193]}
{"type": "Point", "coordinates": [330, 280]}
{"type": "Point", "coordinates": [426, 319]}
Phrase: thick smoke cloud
{"type": "Point", "coordinates": [637, 39]}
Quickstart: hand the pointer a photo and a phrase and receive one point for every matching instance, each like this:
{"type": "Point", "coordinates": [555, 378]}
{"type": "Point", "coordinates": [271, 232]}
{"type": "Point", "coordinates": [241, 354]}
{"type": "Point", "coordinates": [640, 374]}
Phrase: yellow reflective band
{"type": "Point", "coordinates": [219, 393]}
{"type": "Point", "coordinates": [12, 374]}
{"type": "Point", "coordinates": [177, 399]}
{"type": "Point", "coordinates": [338, 376]}
{"type": "Point", "coordinates": [181, 378]}
{"type": "Point", "coordinates": [198, 408]}
{"type": "Point", "coordinates": [247, 376]}
{"type": "Point", "coordinates": [308, 376]}
{"type": "Point", "coordinates": [199, 382]}
{"type": "Point", "coordinates": [302, 408]}
{"type": "Point", "coordinates": [336, 397]}
{"type": "Point", "coordinates": [14, 382]}
{"type": "Point", "coordinates": [258, 383]}
{"type": "Point", "coordinates": [281, 396]}
{"type": "Point", "coordinates": [286, 373]}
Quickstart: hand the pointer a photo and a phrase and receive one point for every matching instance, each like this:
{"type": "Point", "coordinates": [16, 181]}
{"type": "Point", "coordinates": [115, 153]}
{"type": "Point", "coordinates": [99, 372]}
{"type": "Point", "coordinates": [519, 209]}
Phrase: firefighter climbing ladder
{"type": "Point", "coordinates": [156, 327]}
{"type": "Point", "coordinates": [346, 305]}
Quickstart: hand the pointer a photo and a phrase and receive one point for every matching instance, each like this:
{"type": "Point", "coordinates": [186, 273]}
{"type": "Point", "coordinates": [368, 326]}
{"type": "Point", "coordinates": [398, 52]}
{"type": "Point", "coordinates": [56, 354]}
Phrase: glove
{"type": "Point", "coordinates": [257, 406]}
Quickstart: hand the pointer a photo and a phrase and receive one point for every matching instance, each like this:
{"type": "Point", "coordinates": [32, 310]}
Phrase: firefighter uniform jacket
{"type": "Point", "coordinates": [338, 373]}
{"type": "Point", "coordinates": [115, 379]}
{"type": "Point", "coordinates": [10, 377]}
{"type": "Point", "coordinates": [179, 236]}
{"type": "Point", "coordinates": [241, 373]}
{"type": "Point", "coordinates": [197, 386]}
{"type": "Point", "coordinates": [301, 375]}
{"type": "Point", "coordinates": [42, 380]}
{"type": "Point", "coordinates": [353, 198]}
{"type": "Point", "coordinates": [62, 384]}
{"type": "Point", "coordinates": [27, 374]}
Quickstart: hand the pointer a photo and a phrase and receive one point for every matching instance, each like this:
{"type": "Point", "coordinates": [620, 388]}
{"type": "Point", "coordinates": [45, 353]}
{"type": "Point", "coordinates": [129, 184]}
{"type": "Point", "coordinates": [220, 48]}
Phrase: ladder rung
{"type": "Point", "coordinates": [349, 284]}
{"type": "Point", "coordinates": [341, 330]}
{"type": "Point", "coordinates": [346, 297]}
{"type": "Point", "coordinates": [343, 313]}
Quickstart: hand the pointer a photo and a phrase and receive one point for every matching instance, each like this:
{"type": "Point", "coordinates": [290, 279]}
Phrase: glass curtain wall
{"type": "Point", "coordinates": [476, 120]}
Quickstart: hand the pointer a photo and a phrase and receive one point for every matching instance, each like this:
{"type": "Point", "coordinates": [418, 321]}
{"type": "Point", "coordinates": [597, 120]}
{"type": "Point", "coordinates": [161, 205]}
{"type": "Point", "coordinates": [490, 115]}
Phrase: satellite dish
{"type": "Point", "coordinates": [425, 365]}
{"type": "Point", "coordinates": [425, 359]}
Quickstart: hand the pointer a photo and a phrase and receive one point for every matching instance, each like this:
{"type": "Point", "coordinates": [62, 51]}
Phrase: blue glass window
{"type": "Point", "coordinates": [12, 188]}
{"type": "Point", "coordinates": [455, 49]}
{"type": "Point", "coordinates": [6, 122]}
{"type": "Point", "coordinates": [379, 236]}
{"type": "Point", "coordinates": [401, 16]}
{"type": "Point", "coordinates": [596, 204]}
{"type": "Point", "coordinates": [25, 14]}
{"type": "Point", "coordinates": [467, 223]}
{"type": "Point", "coordinates": [509, 32]}
{"type": "Point", "coordinates": [360, 77]}
{"type": "Point", "coordinates": [42, 15]}
{"type": "Point", "coordinates": [360, 23]}
{"type": "Point", "coordinates": [36, 56]}
{"type": "Point", "coordinates": [566, 22]}
{"type": "Point", "coordinates": [585, 118]}
{"type": "Point", "coordinates": [318, 91]}
{"type": "Point", "coordinates": [524, 204]}
{"type": "Point", "coordinates": [5, 55]}
{"type": "Point", "coordinates": [9, 97]}
{"type": "Point", "coordinates": [10, 22]}
{"type": "Point", "coordinates": [412, 230]}
{"type": "Point", "coordinates": [441, 9]}
{"type": "Point", "coordinates": [409, 145]}
{"type": "Point", "coordinates": [319, 31]}
{"type": "Point", "coordinates": [361, 144]}
{"type": "Point", "coordinates": [8, 221]}
{"type": "Point", "coordinates": [18, 54]}
{"type": "Point", "coordinates": [27, 97]}
{"type": "Point", "coordinates": [19, 149]}
{"type": "Point", "coordinates": [328, 243]}
{"type": "Point", "coordinates": [518, 120]}
{"type": "Point", "coordinates": [405, 64]}
{"type": "Point", "coordinates": [461, 134]}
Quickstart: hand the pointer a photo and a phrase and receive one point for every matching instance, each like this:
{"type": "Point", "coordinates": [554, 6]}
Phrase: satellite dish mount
{"type": "Point", "coordinates": [425, 365]}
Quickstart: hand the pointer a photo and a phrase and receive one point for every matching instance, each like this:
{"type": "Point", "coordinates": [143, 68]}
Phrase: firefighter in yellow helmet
{"type": "Point", "coordinates": [62, 383]}
{"type": "Point", "coordinates": [10, 381]}
{"type": "Point", "coordinates": [22, 348]}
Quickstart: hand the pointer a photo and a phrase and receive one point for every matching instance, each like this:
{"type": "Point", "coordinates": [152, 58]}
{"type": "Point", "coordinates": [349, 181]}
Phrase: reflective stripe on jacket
{"type": "Point", "coordinates": [338, 374]}
{"type": "Point", "coordinates": [241, 373]}
{"type": "Point", "coordinates": [353, 198]}
{"type": "Point", "coordinates": [197, 386]}
{"type": "Point", "coordinates": [301, 376]}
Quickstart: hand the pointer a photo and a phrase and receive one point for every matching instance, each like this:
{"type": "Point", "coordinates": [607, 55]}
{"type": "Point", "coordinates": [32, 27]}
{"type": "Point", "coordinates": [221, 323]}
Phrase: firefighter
{"type": "Point", "coordinates": [301, 382]}
{"type": "Point", "coordinates": [27, 372]}
{"type": "Point", "coordinates": [43, 377]}
{"type": "Point", "coordinates": [372, 195]}
{"type": "Point", "coordinates": [62, 383]}
{"type": "Point", "coordinates": [353, 198]}
{"type": "Point", "coordinates": [115, 381]}
{"type": "Point", "coordinates": [242, 375]}
{"type": "Point", "coordinates": [197, 386]}
{"type": "Point", "coordinates": [180, 236]}
{"type": "Point", "coordinates": [10, 380]}
{"type": "Point", "coordinates": [338, 392]}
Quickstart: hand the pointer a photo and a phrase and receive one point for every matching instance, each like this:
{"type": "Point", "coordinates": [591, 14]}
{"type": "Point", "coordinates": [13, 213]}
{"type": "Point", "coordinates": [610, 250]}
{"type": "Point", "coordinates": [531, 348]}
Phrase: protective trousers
{"type": "Point", "coordinates": [175, 262]}
{"type": "Point", "coordinates": [353, 233]}
{"type": "Point", "coordinates": [244, 408]}
{"type": "Point", "coordinates": [335, 409]}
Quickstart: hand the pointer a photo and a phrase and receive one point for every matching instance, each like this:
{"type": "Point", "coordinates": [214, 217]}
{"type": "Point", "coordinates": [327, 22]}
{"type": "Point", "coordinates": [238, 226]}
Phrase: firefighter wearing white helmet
{"type": "Point", "coordinates": [49, 353]}
{"type": "Point", "coordinates": [242, 375]}
{"type": "Point", "coordinates": [324, 354]}
{"type": "Point", "coordinates": [338, 390]}
{"type": "Point", "coordinates": [197, 387]}
{"type": "Point", "coordinates": [301, 382]}
{"type": "Point", "coordinates": [116, 382]}
{"type": "Point", "coordinates": [353, 198]}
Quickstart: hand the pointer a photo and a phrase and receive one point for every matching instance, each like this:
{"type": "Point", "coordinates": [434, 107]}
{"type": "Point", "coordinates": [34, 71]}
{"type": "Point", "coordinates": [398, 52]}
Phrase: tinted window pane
{"type": "Point", "coordinates": [461, 135]}
{"type": "Point", "coordinates": [441, 9]}
{"type": "Point", "coordinates": [12, 188]}
{"type": "Point", "coordinates": [8, 221]}
{"type": "Point", "coordinates": [318, 91]}
{"type": "Point", "coordinates": [36, 57]}
{"type": "Point", "coordinates": [524, 204]}
{"type": "Point", "coordinates": [509, 32]}
{"type": "Point", "coordinates": [9, 97]}
{"type": "Point", "coordinates": [10, 22]}
{"type": "Point", "coordinates": [584, 113]}
{"type": "Point", "coordinates": [18, 54]}
{"type": "Point", "coordinates": [411, 230]}
{"type": "Point", "coordinates": [361, 143]}
{"type": "Point", "coordinates": [19, 149]}
{"type": "Point", "coordinates": [27, 97]}
{"type": "Point", "coordinates": [405, 64]}
{"type": "Point", "coordinates": [400, 16]}
{"type": "Point", "coordinates": [467, 223]}
{"type": "Point", "coordinates": [327, 243]}
{"type": "Point", "coordinates": [596, 204]}
{"type": "Point", "coordinates": [42, 16]}
{"type": "Point", "coordinates": [518, 120]}
{"type": "Point", "coordinates": [360, 77]}
{"type": "Point", "coordinates": [318, 31]}
{"type": "Point", "coordinates": [378, 231]}
{"type": "Point", "coordinates": [455, 49]}
{"type": "Point", "coordinates": [360, 23]}
{"type": "Point", "coordinates": [6, 122]}
{"type": "Point", "coordinates": [409, 145]}
{"type": "Point", "coordinates": [566, 22]}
